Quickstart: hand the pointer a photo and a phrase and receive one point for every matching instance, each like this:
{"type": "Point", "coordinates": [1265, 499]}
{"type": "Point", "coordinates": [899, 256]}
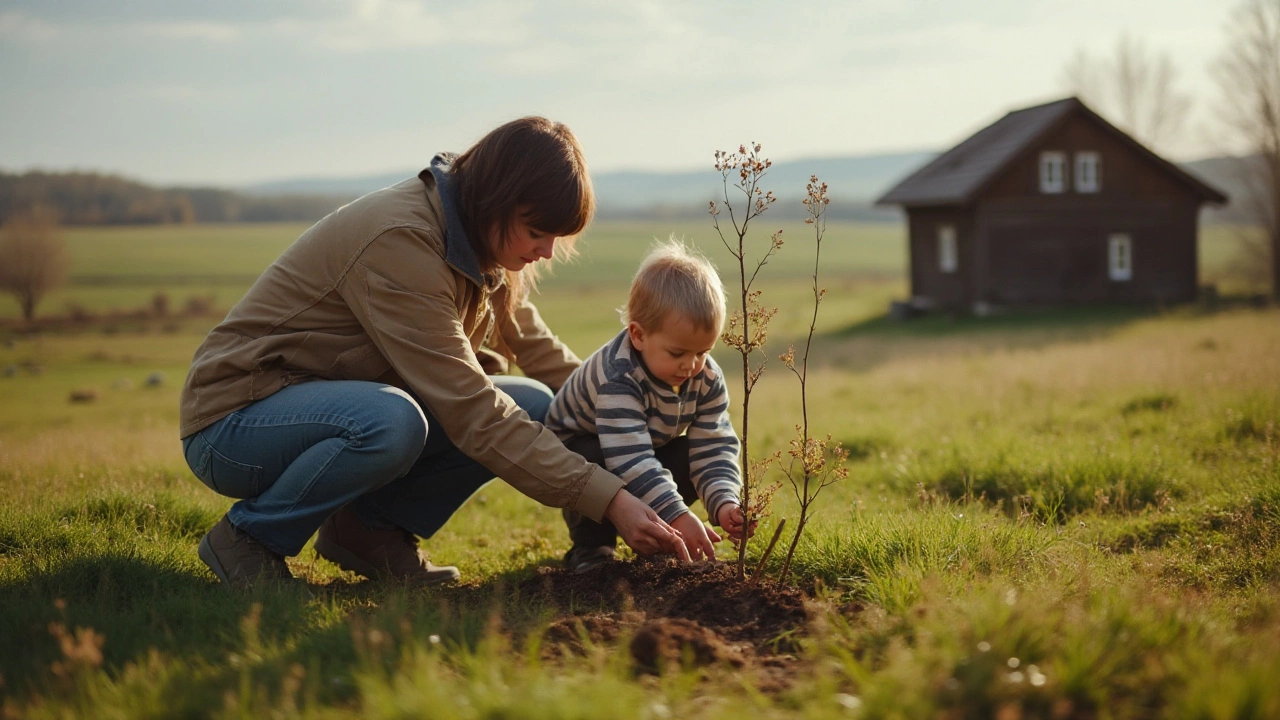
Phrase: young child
{"type": "Point", "coordinates": [651, 406]}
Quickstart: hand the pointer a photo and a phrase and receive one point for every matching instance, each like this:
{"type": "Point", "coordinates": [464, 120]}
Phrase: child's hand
{"type": "Point", "coordinates": [730, 518]}
{"type": "Point", "coordinates": [697, 536]}
{"type": "Point", "coordinates": [641, 527]}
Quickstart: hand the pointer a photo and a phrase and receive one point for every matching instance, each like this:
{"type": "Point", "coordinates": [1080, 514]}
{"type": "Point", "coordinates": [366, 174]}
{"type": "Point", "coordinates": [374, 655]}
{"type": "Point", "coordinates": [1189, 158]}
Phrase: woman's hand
{"type": "Point", "coordinates": [642, 529]}
{"type": "Point", "coordinates": [697, 536]}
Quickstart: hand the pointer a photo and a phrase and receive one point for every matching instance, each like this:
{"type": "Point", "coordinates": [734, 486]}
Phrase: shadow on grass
{"type": "Point", "coordinates": [1082, 322]}
{"type": "Point", "coordinates": [136, 604]}
{"type": "Point", "coordinates": [194, 639]}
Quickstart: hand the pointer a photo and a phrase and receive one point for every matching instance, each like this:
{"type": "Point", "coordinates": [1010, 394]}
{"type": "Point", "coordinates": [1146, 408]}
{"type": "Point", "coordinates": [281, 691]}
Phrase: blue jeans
{"type": "Point", "coordinates": [298, 456]}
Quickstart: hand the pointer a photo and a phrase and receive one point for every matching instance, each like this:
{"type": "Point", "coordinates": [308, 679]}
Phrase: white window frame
{"type": "Point", "coordinates": [1053, 172]}
{"type": "Point", "coordinates": [948, 250]}
{"type": "Point", "coordinates": [1120, 257]}
{"type": "Point", "coordinates": [1088, 172]}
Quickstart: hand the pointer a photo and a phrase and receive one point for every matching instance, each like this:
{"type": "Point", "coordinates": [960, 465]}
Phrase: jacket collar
{"type": "Point", "coordinates": [457, 248]}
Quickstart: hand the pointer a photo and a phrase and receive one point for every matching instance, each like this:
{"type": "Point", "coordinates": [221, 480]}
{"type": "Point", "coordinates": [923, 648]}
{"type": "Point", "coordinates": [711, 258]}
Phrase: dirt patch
{"type": "Point", "coordinates": [674, 642]}
{"type": "Point", "coordinates": [689, 614]}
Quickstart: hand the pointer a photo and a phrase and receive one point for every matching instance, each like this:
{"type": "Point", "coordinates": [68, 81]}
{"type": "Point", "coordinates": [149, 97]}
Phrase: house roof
{"type": "Point", "coordinates": [957, 176]}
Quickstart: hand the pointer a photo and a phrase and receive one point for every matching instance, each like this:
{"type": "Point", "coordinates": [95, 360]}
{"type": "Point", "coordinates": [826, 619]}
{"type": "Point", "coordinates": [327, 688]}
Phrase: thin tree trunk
{"type": "Point", "coordinates": [747, 509]}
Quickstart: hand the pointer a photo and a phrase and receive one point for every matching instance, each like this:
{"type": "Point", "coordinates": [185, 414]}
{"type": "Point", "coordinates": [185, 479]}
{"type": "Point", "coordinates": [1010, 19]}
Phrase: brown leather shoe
{"type": "Point", "coordinates": [239, 560]}
{"type": "Point", "coordinates": [377, 553]}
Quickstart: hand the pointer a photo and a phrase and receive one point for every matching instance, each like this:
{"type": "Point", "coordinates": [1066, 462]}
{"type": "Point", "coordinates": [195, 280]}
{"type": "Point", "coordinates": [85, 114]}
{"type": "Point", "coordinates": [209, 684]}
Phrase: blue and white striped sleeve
{"type": "Point", "coordinates": [713, 450]}
{"type": "Point", "coordinates": [623, 428]}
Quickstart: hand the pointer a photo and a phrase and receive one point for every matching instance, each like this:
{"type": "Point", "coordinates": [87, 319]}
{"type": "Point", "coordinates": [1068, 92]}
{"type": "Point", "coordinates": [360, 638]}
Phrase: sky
{"type": "Point", "coordinates": [236, 92]}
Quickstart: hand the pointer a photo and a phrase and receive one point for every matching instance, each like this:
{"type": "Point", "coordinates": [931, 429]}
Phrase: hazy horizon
{"type": "Point", "coordinates": [243, 93]}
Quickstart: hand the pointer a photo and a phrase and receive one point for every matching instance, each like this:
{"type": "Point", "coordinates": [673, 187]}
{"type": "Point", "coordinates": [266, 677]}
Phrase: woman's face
{"type": "Point", "coordinates": [523, 245]}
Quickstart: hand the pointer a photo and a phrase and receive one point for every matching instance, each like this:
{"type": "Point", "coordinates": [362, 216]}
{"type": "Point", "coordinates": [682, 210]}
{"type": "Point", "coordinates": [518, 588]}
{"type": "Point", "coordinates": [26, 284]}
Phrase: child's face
{"type": "Point", "coordinates": [675, 353]}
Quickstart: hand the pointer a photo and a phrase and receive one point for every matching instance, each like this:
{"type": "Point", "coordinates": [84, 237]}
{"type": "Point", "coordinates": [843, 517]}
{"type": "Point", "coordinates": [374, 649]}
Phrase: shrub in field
{"type": "Point", "coordinates": [78, 313]}
{"type": "Point", "coordinates": [160, 304]}
{"type": "Point", "coordinates": [1155, 402]}
{"type": "Point", "coordinates": [198, 305]}
{"type": "Point", "coordinates": [865, 447]}
{"type": "Point", "coordinates": [33, 258]}
{"type": "Point", "coordinates": [1254, 420]}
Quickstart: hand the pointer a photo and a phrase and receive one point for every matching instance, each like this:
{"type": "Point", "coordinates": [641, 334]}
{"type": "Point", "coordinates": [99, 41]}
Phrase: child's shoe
{"type": "Point", "coordinates": [583, 559]}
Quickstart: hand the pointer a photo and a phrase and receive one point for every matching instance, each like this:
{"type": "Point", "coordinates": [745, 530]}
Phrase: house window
{"type": "Point", "coordinates": [1120, 257]}
{"type": "Point", "coordinates": [947, 256]}
{"type": "Point", "coordinates": [1088, 172]}
{"type": "Point", "coordinates": [1053, 172]}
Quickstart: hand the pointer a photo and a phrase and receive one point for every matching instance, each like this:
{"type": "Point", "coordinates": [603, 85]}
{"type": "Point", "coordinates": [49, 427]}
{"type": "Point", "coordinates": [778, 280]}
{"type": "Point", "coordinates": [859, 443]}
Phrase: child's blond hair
{"type": "Point", "coordinates": [674, 278]}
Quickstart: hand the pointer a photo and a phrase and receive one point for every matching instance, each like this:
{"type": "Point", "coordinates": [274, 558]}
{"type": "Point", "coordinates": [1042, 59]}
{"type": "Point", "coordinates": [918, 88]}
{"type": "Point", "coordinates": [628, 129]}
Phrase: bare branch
{"type": "Point", "coordinates": [1135, 88]}
{"type": "Point", "coordinates": [1248, 75]}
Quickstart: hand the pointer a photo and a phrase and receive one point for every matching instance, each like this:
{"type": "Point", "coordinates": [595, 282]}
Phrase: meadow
{"type": "Point", "coordinates": [1071, 513]}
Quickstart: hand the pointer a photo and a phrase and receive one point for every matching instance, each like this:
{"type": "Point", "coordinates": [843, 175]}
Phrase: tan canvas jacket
{"type": "Point", "coordinates": [387, 289]}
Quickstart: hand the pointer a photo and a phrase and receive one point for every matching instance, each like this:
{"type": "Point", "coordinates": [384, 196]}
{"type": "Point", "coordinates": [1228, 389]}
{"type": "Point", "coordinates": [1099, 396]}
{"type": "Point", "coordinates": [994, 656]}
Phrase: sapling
{"type": "Point", "coordinates": [748, 323]}
{"type": "Point", "coordinates": [815, 462]}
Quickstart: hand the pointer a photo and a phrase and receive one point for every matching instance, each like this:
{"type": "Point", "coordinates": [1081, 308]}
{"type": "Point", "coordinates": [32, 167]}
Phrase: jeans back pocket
{"type": "Point", "coordinates": [222, 474]}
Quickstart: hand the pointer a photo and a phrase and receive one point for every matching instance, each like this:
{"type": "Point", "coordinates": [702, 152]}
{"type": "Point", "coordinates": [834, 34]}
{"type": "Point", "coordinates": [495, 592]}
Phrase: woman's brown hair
{"type": "Point", "coordinates": [532, 165]}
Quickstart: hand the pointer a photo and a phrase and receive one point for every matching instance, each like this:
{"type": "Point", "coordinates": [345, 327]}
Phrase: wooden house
{"type": "Point", "coordinates": [1051, 205]}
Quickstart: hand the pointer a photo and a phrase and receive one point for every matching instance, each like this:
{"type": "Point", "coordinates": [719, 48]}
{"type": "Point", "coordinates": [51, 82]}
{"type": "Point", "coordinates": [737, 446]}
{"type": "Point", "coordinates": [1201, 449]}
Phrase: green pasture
{"type": "Point", "coordinates": [1059, 514]}
{"type": "Point", "coordinates": [119, 270]}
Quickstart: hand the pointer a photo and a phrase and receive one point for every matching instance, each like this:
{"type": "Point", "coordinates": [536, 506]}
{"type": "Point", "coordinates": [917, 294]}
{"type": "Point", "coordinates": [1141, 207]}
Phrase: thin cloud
{"type": "Point", "coordinates": [19, 27]}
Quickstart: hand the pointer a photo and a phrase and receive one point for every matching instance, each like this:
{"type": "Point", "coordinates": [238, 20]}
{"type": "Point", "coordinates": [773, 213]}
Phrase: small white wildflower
{"type": "Point", "coordinates": [984, 646]}
{"type": "Point", "coordinates": [1014, 662]}
{"type": "Point", "coordinates": [849, 702]}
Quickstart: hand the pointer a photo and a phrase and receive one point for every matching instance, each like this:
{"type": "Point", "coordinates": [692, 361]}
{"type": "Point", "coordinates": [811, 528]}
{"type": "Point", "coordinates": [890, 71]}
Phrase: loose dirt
{"type": "Point", "coordinates": [684, 614]}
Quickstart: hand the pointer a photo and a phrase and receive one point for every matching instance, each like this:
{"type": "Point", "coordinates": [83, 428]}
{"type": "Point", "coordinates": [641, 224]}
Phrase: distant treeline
{"type": "Point", "coordinates": [95, 199]}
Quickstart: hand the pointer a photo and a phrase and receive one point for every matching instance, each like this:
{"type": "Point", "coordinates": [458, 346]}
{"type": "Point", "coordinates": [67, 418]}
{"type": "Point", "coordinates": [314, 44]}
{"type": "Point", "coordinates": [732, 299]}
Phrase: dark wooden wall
{"type": "Point", "coordinates": [927, 279]}
{"type": "Point", "coordinates": [1020, 246]}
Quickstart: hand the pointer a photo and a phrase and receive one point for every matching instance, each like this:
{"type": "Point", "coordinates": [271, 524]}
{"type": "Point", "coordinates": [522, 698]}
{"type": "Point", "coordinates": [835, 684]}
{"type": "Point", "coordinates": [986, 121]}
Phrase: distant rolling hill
{"type": "Point", "coordinates": [854, 183]}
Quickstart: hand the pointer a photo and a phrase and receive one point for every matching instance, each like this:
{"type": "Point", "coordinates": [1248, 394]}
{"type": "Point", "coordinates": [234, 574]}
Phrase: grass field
{"type": "Point", "coordinates": [1059, 514]}
{"type": "Point", "coordinates": [121, 269]}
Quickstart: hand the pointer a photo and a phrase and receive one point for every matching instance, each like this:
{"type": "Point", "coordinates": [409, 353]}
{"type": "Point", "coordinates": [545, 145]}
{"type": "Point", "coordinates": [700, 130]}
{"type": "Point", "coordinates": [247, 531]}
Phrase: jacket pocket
{"type": "Point", "coordinates": [364, 362]}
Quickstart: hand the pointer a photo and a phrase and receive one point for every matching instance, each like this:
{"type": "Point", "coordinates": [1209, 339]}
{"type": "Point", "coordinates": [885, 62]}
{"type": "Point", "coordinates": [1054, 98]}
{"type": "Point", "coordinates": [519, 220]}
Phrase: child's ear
{"type": "Point", "coordinates": [637, 334]}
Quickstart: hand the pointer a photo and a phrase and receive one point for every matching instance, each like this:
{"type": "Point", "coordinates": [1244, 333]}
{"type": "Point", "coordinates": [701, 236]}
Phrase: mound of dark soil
{"type": "Point", "coordinates": [698, 613]}
{"type": "Point", "coordinates": [672, 641]}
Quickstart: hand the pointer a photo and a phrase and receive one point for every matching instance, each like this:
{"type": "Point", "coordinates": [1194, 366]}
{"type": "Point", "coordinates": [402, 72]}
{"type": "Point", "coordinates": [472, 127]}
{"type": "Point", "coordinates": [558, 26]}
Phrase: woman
{"type": "Point", "coordinates": [349, 391]}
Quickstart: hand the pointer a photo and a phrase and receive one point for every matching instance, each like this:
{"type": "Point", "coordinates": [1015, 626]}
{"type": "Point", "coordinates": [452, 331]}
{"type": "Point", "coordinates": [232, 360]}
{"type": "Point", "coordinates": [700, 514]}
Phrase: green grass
{"type": "Point", "coordinates": [1095, 493]}
{"type": "Point", "coordinates": [120, 269]}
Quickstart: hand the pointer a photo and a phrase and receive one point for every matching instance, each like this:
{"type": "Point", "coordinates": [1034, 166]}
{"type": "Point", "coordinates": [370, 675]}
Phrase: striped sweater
{"type": "Point", "coordinates": [614, 396]}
